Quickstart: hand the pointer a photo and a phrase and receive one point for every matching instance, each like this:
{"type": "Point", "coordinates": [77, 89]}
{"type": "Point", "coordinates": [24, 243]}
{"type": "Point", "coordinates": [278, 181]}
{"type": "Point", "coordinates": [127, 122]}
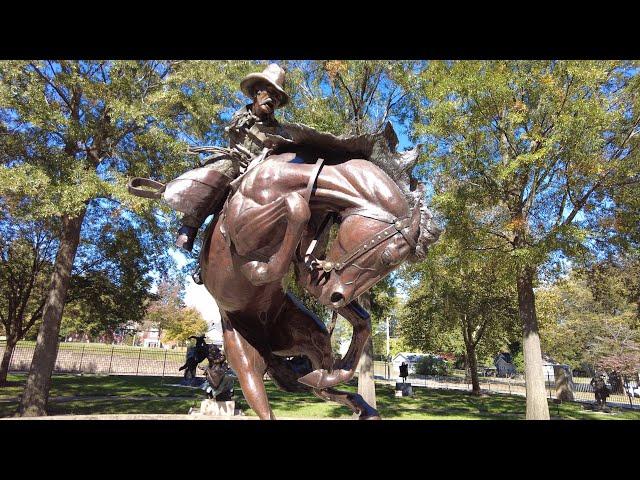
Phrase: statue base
{"type": "Point", "coordinates": [211, 408]}
{"type": "Point", "coordinates": [404, 389]}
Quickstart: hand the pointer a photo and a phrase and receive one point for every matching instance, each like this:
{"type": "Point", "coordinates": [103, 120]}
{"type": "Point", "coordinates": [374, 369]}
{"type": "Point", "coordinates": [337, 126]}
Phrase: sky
{"type": "Point", "coordinates": [198, 297]}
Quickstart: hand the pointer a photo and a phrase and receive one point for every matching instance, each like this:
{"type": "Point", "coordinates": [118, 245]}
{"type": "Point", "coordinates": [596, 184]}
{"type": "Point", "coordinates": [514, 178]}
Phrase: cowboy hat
{"type": "Point", "coordinates": [273, 75]}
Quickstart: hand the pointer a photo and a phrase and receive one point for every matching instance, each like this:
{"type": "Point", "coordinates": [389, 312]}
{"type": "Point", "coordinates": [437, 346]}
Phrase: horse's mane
{"type": "Point", "coordinates": [373, 185]}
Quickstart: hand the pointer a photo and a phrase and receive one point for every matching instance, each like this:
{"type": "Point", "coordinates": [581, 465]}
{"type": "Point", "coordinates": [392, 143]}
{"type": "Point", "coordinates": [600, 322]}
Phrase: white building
{"type": "Point", "coordinates": [410, 358]}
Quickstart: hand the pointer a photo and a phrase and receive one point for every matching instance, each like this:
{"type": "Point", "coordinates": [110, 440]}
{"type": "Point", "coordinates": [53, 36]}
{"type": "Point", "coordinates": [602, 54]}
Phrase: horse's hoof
{"type": "Point", "coordinates": [322, 379]}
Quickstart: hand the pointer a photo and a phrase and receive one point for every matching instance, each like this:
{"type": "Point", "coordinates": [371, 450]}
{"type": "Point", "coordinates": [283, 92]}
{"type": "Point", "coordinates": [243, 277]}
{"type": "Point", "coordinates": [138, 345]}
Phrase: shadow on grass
{"type": "Point", "coordinates": [68, 385]}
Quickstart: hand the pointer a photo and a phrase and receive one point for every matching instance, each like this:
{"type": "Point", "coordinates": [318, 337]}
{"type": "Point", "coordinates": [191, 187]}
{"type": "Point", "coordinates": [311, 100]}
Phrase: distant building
{"type": "Point", "coordinates": [151, 338]}
{"type": "Point", "coordinates": [549, 366]}
{"type": "Point", "coordinates": [410, 358]}
{"type": "Point", "coordinates": [504, 365]}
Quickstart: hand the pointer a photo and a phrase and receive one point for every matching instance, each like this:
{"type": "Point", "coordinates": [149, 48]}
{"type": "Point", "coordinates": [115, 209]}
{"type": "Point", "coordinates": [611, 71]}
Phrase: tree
{"type": "Point", "coordinates": [463, 291]}
{"type": "Point", "coordinates": [113, 289]}
{"type": "Point", "coordinates": [186, 323]}
{"type": "Point", "coordinates": [26, 255]}
{"type": "Point", "coordinates": [78, 129]}
{"type": "Point", "coordinates": [166, 305]}
{"type": "Point", "coordinates": [543, 146]}
{"type": "Point", "coordinates": [589, 318]}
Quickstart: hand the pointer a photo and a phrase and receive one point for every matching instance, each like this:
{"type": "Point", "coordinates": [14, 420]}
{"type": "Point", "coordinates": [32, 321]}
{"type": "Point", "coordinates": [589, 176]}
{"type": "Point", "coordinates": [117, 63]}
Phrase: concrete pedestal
{"type": "Point", "coordinates": [403, 389]}
{"type": "Point", "coordinates": [212, 408]}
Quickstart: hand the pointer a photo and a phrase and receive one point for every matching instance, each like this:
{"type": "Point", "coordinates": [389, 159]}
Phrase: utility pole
{"type": "Point", "coordinates": [388, 351]}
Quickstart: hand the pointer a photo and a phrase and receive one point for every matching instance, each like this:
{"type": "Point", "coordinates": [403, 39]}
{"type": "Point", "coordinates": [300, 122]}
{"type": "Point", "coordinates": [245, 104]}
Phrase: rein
{"type": "Point", "coordinates": [398, 226]}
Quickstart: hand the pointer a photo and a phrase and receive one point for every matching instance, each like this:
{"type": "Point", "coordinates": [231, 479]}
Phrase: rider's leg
{"type": "Point", "coordinates": [250, 368]}
{"type": "Point", "coordinates": [188, 231]}
{"type": "Point", "coordinates": [204, 198]}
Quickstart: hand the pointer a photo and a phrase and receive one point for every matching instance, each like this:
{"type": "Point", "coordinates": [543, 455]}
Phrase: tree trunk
{"type": "Point", "coordinates": [36, 391]}
{"type": "Point", "coordinates": [537, 406]}
{"type": "Point", "coordinates": [6, 358]}
{"type": "Point", "coordinates": [366, 383]}
{"type": "Point", "coordinates": [473, 367]}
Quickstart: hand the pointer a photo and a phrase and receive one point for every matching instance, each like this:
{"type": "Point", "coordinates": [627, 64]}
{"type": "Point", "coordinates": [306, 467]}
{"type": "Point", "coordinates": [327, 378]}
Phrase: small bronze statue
{"type": "Point", "coordinates": [195, 355]}
{"type": "Point", "coordinates": [219, 385]}
{"type": "Point", "coordinates": [600, 390]}
{"type": "Point", "coordinates": [404, 372]}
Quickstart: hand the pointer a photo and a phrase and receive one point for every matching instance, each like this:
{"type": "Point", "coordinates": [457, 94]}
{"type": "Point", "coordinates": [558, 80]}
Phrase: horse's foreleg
{"type": "Point", "coordinates": [354, 401]}
{"type": "Point", "coordinates": [250, 367]}
{"type": "Point", "coordinates": [298, 214]}
{"type": "Point", "coordinates": [345, 369]}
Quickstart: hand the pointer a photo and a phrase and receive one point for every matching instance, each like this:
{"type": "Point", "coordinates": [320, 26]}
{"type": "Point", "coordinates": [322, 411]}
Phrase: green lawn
{"type": "Point", "coordinates": [156, 397]}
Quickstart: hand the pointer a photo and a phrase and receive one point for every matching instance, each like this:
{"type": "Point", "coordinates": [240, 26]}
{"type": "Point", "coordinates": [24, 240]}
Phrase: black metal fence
{"type": "Point", "coordinates": [627, 394]}
{"type": "Point", "coordinates": [75, 357]}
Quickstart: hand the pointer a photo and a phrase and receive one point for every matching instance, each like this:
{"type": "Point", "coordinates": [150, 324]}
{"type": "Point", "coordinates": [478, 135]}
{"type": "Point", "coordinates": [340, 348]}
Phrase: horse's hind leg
{"type": "Point", "coordinates": [354, 401]}
{"type": "Point", "coordinates": [250, 367]}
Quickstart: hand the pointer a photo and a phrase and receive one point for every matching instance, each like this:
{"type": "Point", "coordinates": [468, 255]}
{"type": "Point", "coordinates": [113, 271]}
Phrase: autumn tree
{"type": "Point", "coordinates": [462, 291]}
{"type": "Point", "coordinates": [589, 318]}
{"type": "Point", "coordinates": [542, 146]}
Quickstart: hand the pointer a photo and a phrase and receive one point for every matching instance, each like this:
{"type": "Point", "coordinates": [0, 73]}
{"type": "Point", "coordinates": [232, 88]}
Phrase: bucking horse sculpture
{"type": "Point", "coordinates": [279, 213]}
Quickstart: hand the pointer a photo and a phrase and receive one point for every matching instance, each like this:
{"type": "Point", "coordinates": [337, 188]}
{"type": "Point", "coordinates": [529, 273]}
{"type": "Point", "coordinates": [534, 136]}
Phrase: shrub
{"type": "Point", "coordinates": [518, 361]}
{"type": "Point", "coordinates": [432, 365]}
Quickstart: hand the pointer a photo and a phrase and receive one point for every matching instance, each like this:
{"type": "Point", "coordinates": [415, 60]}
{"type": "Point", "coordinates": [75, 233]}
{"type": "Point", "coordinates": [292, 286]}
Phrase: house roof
{"type": "Point", "coordinates": [410, 356]}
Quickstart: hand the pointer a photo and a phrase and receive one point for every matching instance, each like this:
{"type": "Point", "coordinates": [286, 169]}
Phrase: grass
{"type": "Point", "coordinates": [156, 397]}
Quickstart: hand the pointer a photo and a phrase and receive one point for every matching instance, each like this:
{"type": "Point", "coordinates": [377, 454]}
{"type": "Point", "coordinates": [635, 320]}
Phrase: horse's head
{"type": "Point", "coordinates": [369, 245]}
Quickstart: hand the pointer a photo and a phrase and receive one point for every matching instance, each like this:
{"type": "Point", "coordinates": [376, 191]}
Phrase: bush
{"type": "Point", "coordinates": [518, 361]}
{"type": "Point", "coordinates": [429, 365]}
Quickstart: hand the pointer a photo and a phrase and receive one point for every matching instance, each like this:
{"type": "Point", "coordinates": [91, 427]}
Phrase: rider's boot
{"type": "Point", "coordinates": [198, 193]}
{"type": "Point", "coordinates": [196, 275]}
{"type": "Point", "coordinates": [186, 237]}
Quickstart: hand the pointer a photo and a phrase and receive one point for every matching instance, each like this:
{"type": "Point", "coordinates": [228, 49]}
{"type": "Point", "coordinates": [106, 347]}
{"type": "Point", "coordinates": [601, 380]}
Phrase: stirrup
{"type": "Point", "coordinates": [197, 277]}
{"type": "Point", "coordinates": [186, 237]}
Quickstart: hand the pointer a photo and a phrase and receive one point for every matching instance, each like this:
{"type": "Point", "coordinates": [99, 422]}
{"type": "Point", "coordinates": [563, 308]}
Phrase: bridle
{"type": "Point", "coordinates": [396, 226]}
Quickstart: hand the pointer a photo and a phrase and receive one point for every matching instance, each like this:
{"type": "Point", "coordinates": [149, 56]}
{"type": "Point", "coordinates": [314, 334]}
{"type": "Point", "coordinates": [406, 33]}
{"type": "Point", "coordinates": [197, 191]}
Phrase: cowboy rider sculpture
{"type": "Point", "coordinates": [246, 142]}
{"type": "Point", "coordinates": [255, 133]}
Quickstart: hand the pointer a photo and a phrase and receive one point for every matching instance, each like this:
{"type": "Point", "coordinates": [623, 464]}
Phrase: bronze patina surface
{"type": "Point", "coordinates": [271, 221]}
{"type": "Point", "coordinates": [291, 185]}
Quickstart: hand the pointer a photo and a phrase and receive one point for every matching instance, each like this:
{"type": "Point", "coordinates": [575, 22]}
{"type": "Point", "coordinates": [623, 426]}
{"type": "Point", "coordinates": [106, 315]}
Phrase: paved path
{"type": "Point", "coordinates": [154, 416]}
{"type": "Point", "coordinates": [63, 399]}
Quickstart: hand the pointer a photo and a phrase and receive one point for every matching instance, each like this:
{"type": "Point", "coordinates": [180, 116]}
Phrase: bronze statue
{"type": "Point", "coordinates": [276, 216]}
{"type": "Point", "coordinates": [246, 142]}
{"type": "Point", "coordinates": [279, 213]}
{"type": "Point", "coordinates": [600, 390]}
{"type": "Point", "coordinates": [195, 355]}
{"type": "Point", "coordinates": [219, 384]}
